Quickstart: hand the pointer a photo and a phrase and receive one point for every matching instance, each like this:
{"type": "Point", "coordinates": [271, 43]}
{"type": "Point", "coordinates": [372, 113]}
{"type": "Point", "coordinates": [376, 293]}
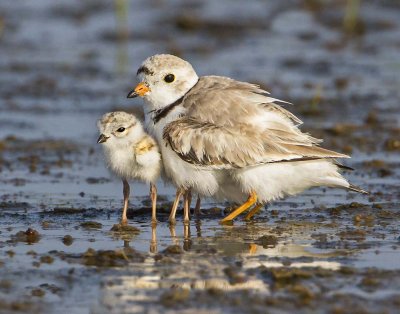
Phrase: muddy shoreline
{"type": "Point", "coordinates": [65, 64]}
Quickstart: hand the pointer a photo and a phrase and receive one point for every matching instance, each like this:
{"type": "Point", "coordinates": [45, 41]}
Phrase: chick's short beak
{"type": "Point", "coordinates": [102, 138]}
{"type": "Point", "coordinates": [140, 90]}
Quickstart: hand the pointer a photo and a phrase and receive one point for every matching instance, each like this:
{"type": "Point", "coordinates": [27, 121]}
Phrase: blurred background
{"type": "Point", "coordinates": [65, 63]}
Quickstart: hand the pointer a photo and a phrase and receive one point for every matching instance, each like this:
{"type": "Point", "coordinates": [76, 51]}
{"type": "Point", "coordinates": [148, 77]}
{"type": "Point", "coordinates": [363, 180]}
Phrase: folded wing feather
{"type": "Point", "coordinates": [232, 124]}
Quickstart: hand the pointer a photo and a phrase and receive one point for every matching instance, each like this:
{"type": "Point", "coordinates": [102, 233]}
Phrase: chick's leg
{"type": "Point", "coordinates": [153, 196]}
{"type": "Point", "coordinates": [126, 191]}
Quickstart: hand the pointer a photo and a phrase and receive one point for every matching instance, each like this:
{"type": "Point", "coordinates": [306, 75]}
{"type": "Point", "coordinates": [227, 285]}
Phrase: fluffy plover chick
{"type": "Point", "coordinates": [214, 129]}
{"type": "Point", "coordinates": [131, 154]}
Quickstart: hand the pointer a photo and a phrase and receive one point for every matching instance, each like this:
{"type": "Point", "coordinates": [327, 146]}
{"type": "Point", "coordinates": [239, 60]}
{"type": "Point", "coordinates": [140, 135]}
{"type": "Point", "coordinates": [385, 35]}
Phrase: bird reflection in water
{"type": "Point", "coordinates": [187, 241]}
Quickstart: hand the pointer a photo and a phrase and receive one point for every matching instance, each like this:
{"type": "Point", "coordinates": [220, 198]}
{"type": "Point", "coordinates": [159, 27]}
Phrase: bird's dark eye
{"type": "Point", "coordinates": [169, 78]}
{"type": "Point", "coordinates": [121, 129]}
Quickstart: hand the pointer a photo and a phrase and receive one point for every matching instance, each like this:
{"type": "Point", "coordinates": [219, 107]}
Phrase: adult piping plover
{"type": "Point", "coordinates": [130, 153]}
{"type": "Point", "coordinates": [184, 175]}
{"type": "Point", "coordinates": [214, 128]}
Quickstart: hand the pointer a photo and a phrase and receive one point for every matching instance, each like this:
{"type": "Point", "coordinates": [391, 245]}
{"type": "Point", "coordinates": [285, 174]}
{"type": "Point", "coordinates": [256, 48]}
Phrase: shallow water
{"type": "Point", "coordinates": [63, 64]}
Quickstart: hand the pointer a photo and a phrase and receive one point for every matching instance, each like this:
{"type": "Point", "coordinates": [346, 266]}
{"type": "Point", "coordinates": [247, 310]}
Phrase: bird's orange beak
{"type": "Point", "coordinates": [140, 90]}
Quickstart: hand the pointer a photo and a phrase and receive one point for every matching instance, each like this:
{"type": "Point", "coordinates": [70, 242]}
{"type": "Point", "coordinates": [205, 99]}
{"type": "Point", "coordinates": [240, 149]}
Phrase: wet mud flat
{"type": "Point", "coordinates": [292, 257]}
{"type": "Point", "coordinates": [64, 64]}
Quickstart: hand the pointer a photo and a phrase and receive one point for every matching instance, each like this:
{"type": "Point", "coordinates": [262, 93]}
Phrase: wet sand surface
{"type": "Point", "coordinates": [63, 64]}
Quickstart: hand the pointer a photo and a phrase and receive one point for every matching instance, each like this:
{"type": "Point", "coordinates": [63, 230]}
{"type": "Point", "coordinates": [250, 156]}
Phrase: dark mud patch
{"type": "Point", "coordinates": [175, 297]}
{"type": "Point", "coordinates": [67, 240]}
{"type": "Point", "coordinates": [91, 225]}
{"type": "Point", "coordinates": [267, 241]}
{"type": "Point", "coordinates": [106, 258]}
{"type": "Point", "coordinates": [124, 232]}
{"type": "Point", "coordinates": [67, 211]}
{"type": "Point", "coordinates": [29, 236]}
{"type": "Point", "coordinates": [173, 250]}
{"type": "Point", "coordinates": [10, 205]}
{"type": "Point", "coordinates": [101, 180]}
{"type": "Point", "coordinates": [19, 306]}
{"type": "Point", "coordinates": [353, 234]}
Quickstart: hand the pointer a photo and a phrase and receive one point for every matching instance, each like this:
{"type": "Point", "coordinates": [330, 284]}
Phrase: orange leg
{"type": "Point", "coordinates": [246, 205]}
{"type": "Point", "coordinates": [253, 211]}
{"type": "Point", "coordinates": [253, 248]}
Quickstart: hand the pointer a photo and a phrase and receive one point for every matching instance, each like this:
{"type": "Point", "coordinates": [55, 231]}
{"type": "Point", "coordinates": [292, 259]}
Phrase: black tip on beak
{"type": "Point", "coordinates": [132, 94]}
{"type": "Point", "coordinates": [102, 138]}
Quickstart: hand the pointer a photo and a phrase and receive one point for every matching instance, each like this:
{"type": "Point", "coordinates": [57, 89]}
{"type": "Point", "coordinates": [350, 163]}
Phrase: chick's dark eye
{"type": "Point", "coordinates": [169, 78]}
{"type": "Point", "coordinates": [121, 129]}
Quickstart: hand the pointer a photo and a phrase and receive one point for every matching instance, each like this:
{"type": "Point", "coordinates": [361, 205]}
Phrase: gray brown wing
{"type": "Point", "coordinates": [224, 147]}
{"type": "Point", "coordinates": [225, 101]}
